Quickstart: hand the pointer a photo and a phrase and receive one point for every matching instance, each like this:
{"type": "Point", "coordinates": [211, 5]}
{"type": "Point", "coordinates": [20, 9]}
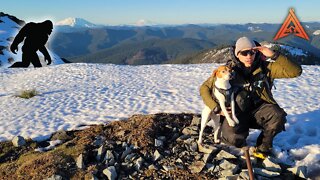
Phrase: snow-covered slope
{"type": "Point", "coordinates": [8, 30]}
{"type": "Point", "coordinates": [75, 22]}
{"type": "Point", "coordinates": [72, 95]}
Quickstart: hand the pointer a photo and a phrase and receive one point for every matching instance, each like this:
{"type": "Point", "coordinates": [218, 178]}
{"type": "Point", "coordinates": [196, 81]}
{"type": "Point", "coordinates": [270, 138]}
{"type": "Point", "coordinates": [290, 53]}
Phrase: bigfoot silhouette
{"type": "Point", "coordinates": [36, 36]}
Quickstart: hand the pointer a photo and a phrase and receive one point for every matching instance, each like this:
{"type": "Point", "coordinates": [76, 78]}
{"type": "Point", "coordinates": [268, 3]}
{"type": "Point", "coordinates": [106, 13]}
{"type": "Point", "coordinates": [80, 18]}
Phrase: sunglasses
{"type": "Point", "coordinates": [246, 52]}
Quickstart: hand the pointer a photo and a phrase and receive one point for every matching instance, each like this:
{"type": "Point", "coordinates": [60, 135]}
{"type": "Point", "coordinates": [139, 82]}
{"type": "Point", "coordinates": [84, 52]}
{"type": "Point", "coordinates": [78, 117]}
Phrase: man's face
{"type": "Point", "coordinates": [246, 56]}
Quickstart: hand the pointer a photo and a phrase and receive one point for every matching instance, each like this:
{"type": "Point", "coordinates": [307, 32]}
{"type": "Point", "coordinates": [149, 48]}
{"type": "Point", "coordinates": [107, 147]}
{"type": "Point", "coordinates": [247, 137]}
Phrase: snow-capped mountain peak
{"type": "Point", "coordinates": [75, 22]}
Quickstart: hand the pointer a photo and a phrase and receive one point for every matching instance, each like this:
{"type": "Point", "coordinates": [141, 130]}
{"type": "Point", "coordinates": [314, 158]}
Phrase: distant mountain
{"type": "Point", "coordinates": [86, 41]}
{"type": "Point", "coordinates": [9, 27]}
{"type": "Point", "coordinates": [153, 51]}
{"type": "Point", "coordinates": [75, 22]}
{"type": "Point", "coordinates": [223, 54]}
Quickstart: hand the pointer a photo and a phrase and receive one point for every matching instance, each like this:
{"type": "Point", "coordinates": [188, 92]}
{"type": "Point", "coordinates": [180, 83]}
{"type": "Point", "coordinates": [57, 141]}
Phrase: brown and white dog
{"type": "Point", "coordinates": [223, 75]}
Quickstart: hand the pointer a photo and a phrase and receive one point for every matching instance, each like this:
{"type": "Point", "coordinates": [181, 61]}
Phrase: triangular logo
{"type": "Point", "coordinates": [291, 26]}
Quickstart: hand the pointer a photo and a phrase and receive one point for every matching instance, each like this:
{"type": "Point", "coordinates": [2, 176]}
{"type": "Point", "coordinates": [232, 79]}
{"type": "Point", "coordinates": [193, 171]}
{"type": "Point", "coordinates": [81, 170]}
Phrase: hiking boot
{"type": "Point", "coordinates": [265, 149]}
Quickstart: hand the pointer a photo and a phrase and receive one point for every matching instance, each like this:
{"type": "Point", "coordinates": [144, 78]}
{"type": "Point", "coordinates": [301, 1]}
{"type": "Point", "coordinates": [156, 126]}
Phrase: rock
{"type": "Point", "coordinates": [126, 152]}
{"type": "Point", "coordinates": [300, 171]}
{"type": "Point", "coordinates": [162, 138]}
{"type": "Point", "coordinates": [99, 140]}
{"type": "Point", "coordinates": [168, 168]}
{"type": "Point", "coordinates": [129, 157]}
{"type": "Point", "coordinates": [80, 162]}
{"type": "Point", "coordinates": [195, 121]}
{"type": "Point", "coordinates": [55, 177]}
{"type": "Point", "coordinates": [269, 164]}
{"type": "Point", "coordinates": [120, 133]}
{"type": "Point", "coordinates": [226, 173]}
{"type": "Point", "coordinates": [152, 167]}
{"type": "Point", "coordinates": [244, 175]}
{"type": "Point", "coordinates": [110, 172]}
{"type": "Point", "coordinates": [206, 149]}
{"type": "Point", "coordinates": [197, 166]}
{"type": "Point", "coordinates": [183, 137]}
{"type": "Point", "coordinates": [190, 130]}
{"type": "Point", "coordinates": [61, 135]}
{"type": "Point", "coordinates": [194, 147]}
{"type": "Point", "coordinates": [212, 167]}
{"type": "Point", "coordinates": [233, 177]}
{"type": "Point", "coordinates": [138, 163]}
{"type": "Point", "coordinates": [109, 158]}
{"type": "Point", "coordinates": [18, 141]}
{"type": "Point", "coordinates": [100, 153]}
{"type": "Point", "coordinates": [265, 173]}
{"type": "Point", "coordinates": [158, 143]}
{"type": "Point", "coordinates": [157, 156]}
{"type": "Point", "coordinates": [226, 165]}
{"type": "Point", "coordinates": [225, 155]}
{"type": "Point", "coordinates": [206, 157]}
{"type": "Point", "coordinates": [179, 161]}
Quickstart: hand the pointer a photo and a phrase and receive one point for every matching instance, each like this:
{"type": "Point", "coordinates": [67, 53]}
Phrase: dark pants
{"type": "Point", "coordinates": [270, 118]}
{"type": "Point", "coordinates": [28, 57]}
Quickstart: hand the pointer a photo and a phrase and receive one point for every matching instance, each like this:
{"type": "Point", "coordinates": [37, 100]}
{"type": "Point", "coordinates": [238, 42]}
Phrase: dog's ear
{"type": "Point", "coordinates": [214, 74]}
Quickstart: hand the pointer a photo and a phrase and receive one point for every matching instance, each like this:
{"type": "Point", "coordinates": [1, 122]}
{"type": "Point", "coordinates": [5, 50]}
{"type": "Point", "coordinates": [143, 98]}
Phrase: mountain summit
{"type": "Point", "coordinates": [76, 22]}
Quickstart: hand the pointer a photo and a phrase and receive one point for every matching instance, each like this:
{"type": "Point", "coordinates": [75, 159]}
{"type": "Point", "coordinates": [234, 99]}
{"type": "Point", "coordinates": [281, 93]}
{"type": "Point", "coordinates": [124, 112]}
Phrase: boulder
{"type": "Point", "coordinates": [110, 172]}
{"type": "Point", "coordinates": [18, 141]}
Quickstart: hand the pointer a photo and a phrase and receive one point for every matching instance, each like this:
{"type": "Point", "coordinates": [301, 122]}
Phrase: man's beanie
{"type": "Point", "coordinates": [243, 43]}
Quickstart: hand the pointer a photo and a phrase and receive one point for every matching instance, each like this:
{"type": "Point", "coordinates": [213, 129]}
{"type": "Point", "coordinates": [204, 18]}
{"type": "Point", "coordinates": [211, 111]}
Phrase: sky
{"type": "Point", "coordinates": [115, 12]}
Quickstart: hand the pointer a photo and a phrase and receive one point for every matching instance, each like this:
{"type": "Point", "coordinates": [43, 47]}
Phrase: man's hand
{"type": "Point", "coordinates": [264, 50]}
{"type": "Point", "coordinates": [48, 58]}
{"type": "Point", "coordinates": [13, 49]}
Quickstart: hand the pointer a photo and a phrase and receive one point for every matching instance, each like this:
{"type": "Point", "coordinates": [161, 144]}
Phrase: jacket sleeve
{"type": "Point", "coordinates": [205, 92]}
{"type": "Point", "coordinates": [284, 68]}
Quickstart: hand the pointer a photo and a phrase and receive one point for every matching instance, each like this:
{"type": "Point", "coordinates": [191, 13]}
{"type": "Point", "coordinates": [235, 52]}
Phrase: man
{"type": "Point", "coordinates": [35, 36]}
{"type": "Point", "coordinates": [256, 107]}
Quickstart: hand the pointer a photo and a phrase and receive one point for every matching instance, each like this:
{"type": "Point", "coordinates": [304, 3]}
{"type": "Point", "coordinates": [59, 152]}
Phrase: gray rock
{"type": "Point", "coordinates": [162, 138]}
{"type": "Point", "coordinates": [110, 172]}
{"type": "Point", "coordinates": [212, 167]}
{"type": "Point", "coordinates": [61, 135]}
{"type": "Point", "coordinates": [197, 166]}
{"type": "Point", "coordinates": [207, 149]}
{"type": "Point", "coordinates": [109, 158]}
{"type": "Point", "coordinates": [225, 155]}
{"type": "Point", "coordinates": [99, 140]}
{"type": "Point", "coordinates": [158, 143]}
{"type": "Point", "coordinates": [233, 177]}
{"type": "Point", "coordinates": [138, 163]}
{"type": "Point", "coordinates": [226, 165]}
{"type": "Point", "coordinates": [195, 121]}
{"type": "Point", "coordinates": [80, 162]}
{"type": "Point", "coordinates": [101, 153]}
{"type": "Point", "coordinates": [168, 168]}
{"type": "Point", "coordinates": [126, 152]}
{"type": "Point", "coordinates": [18, 141]}
{"type": "Point", "coordinates": [55, 177]}
{"type": "Point", "coordinates": [206, 157]}
{"type": "Point", "coordinates": [194, 146]}
{"type": "Point", "coordinates": [265, 173]}
{"type": "Point", "coordinates": [300, 171]}
{"type": "Point", "coordinates": [270, 165]}
{"type": "Point", "coordinates": [179, 161]}
{"type": "Point", "coordinates": [130, 157]}
{"type": "Point", "coordinates": [153, 167]}
{"type": "Point", "coordinates": [183, 137]}
{"type": "Point", "coordinates": [190, 130]}
{"type": "Point", "coordinates": [226, 173]}
{"type": "Point", "coordinates": [157, 156]}
{"type": "Point", "coordinates": [244, 175]}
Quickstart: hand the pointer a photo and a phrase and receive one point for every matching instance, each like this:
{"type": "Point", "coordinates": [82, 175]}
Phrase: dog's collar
{"type": "Point", "coordinates": [226, 92]}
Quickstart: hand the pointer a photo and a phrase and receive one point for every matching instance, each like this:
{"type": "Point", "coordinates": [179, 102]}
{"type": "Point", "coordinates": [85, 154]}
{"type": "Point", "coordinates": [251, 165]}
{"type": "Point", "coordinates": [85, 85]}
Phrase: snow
{"type": "Point", "coordinates": [317, 32]}
{"type": "Point", "coordinates": [75, 22]}
{"type": "Point", "coordinates": [75, 95]}
{"type": "Point", "coordinates": [292, 50]}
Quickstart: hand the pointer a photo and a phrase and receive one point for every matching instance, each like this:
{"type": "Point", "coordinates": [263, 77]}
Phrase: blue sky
{"type": "Point", "coordinates": [115, 12]}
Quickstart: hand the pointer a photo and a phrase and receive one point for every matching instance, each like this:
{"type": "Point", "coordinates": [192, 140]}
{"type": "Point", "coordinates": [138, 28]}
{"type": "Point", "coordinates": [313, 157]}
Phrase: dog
{"type": "Point", "coordinates": [223, 75]}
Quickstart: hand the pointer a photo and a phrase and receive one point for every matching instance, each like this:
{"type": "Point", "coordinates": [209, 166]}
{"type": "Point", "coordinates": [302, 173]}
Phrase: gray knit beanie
{"type": "Point", "coordinates": [243, 43]}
